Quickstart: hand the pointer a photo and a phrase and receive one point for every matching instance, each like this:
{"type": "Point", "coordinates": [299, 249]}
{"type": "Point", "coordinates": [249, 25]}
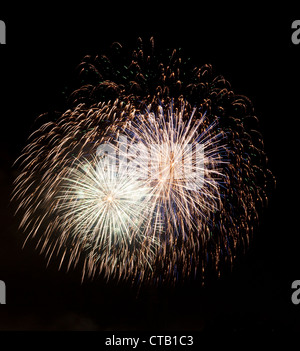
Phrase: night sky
{"type": "Point", "coordinates": [254, 52]}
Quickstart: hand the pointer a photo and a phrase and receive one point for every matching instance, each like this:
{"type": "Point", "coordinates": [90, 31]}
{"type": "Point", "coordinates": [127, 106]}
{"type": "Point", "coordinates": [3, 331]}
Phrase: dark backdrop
{"type": "Point", "coordinates": [253, 50]}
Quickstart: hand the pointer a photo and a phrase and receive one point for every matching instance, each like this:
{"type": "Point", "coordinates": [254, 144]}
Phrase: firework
{"type": "Point", "coordinates": [104, 212]}
{"type": "Point", "coordinates": [179, 193]}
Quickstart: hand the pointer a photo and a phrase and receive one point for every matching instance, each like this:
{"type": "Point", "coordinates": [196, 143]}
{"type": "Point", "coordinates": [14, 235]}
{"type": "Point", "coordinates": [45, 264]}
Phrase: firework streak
{"type": "Point", "coordinates": [155, 173]}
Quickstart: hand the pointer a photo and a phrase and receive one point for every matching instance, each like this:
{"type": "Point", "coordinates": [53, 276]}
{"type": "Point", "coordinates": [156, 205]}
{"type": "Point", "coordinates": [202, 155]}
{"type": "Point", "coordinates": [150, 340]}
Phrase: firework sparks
{"type": "Point", "coordinates": [180, 163]}
{"type": "Point", "coordinates": [187, 182]}
{"type": "Point", "coordinates": [105, 211]}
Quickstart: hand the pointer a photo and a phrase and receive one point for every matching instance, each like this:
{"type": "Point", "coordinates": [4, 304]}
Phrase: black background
{"type": "Point", "coordinates": [253, 50]}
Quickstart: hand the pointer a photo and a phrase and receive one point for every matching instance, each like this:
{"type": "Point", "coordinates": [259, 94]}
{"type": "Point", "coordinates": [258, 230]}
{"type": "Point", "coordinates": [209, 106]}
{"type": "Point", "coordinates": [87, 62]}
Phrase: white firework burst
{"type": "Point", "coordinates": [105, 212]}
